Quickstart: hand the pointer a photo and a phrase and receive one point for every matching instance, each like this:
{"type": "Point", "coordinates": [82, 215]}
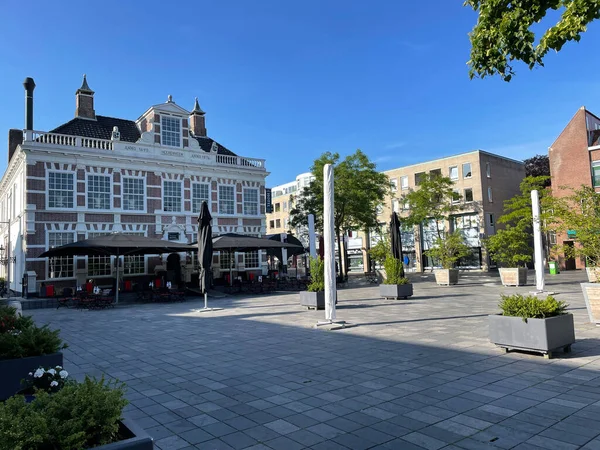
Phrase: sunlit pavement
{"type": "Point", "coordinates": [405, 374]}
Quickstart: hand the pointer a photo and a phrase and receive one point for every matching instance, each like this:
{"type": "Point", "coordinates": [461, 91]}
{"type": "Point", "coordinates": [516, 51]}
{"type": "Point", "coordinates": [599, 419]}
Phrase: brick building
{"type": "Point", "coordinates": [575, 161]}
{"type": "Point", "coordinates": [96, 174]}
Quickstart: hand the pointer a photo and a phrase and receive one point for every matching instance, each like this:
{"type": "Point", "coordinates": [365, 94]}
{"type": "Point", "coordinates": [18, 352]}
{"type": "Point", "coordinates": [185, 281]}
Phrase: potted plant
{"type": "Point", "coordinates": [395, 285]}
{"type": "Point", "coordinates": [49, 380]}
{"type": "Point", "coordinates": [79, 416]}
{"type": "Point", "coordinates": [530, 323]}
{"type": "Point", "coordinates": [510, 248]}
{"type": "Point", "coordinates": [447, 251]}
{"type": "Point", "coordinates": [23, 348]}
{"type": "Point", "coordinates": [578, 217]}
{"type": "Point", "coordinates": [314, 296]}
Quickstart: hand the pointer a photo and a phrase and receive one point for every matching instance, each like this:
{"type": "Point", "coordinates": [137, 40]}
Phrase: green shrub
{"type": "Point", "coordinates": [531, 307]}
{"type": "Point", "coordinates": [394, 271]}
{"type": "Point", "coordinates": [317, 275]}
{"type": "Point", "coordinates": [80, 415]}
{"type": "Point", "coordinates": [20, 337]}
{"type": "Point", "coordinates": [449, 250]}
{"type": "Point", "coordinates": [510, 246]}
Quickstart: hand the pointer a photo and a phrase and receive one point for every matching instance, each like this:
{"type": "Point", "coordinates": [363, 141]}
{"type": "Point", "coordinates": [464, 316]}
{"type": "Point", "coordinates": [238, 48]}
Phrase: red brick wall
{"type": "Point", "coordinates": [37, 170]}
{"type": "Point", "coordinates": [136, 219]}
{"type": "Point", "coordinates": [101, 218]}
{"type": "Point", "coordinates": [36, 185]}
{"type": "Point", "coordinates": [570, 162]}
{"type": "Point", "coordinates": [55, 217]}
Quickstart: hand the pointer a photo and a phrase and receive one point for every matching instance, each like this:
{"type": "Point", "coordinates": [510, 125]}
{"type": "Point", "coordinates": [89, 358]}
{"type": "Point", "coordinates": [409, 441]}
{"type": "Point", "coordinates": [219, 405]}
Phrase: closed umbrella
{"type": "Point", "coordinates": [205, 249]}
{"type": "Point", "coordinates": [395, 237]}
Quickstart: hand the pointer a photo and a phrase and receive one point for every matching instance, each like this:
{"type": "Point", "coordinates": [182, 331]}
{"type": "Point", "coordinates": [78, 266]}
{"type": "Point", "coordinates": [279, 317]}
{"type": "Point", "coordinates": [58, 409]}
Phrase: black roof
{"type": "Point", "coordinates": [206, 144]}
{"type": "Point", "coordinates": [102, 127]}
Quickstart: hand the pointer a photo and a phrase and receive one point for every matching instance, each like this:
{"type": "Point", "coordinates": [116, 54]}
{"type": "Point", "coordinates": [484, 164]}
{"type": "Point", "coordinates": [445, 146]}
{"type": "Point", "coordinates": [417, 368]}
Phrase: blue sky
{"type": "Point", "coordinates": [286, 81]}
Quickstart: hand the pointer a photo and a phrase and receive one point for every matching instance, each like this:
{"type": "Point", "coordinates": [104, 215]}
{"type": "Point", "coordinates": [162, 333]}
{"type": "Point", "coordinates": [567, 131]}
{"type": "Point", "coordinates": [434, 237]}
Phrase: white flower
{"type": "Point", "coordinates": [39, 373]}
{"type": "Point", "coordinates": [63, 374]}
{"type": "Point", "coordinates": [30, 374]}
{"type": "Point", "coordinates": [58, 367]}
{"type": "Point", "coordinates": [54, 383]}
{"type": "Point", "coordinates": [52, 371]}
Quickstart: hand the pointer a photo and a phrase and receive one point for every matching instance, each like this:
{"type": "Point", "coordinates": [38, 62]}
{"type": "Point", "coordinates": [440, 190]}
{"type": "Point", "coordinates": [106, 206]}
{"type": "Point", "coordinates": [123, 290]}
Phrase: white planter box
{"type": "Point", "coordinates": [446, 277]}
{"type": "Point", "coordinates": [513, 276]}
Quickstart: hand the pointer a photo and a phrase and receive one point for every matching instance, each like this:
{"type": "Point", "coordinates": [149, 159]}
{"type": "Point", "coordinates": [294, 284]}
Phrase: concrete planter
{"type": "Point", "coordinates": [396, 291]}
{"type": "Point", "coordinates": [538, 335]}
{"type": "Point", "coordinates": [513, 276]}
{"type": "Point", "coordinates": [592, 274]}
{"type": "Point", "coordinates": [313, 300]}
{"type": "Point", "coordinates": [591, 294]}
{"type": "Point", "coordinates": [138, 440]}
{"type": "Point", "coordinates": [13, 371]}
{"type": "Point", "coordinates": [446, 277]}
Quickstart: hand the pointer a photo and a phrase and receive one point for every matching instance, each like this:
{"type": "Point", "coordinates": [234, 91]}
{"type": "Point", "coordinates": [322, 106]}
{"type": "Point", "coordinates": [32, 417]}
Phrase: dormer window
{"type": "Point", "coordinates": [171, 131]}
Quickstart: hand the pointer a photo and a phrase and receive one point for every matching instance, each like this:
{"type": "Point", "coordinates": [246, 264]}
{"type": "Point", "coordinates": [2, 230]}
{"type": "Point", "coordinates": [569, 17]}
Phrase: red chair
{"type": "Point", "coordinates": [50, 290]}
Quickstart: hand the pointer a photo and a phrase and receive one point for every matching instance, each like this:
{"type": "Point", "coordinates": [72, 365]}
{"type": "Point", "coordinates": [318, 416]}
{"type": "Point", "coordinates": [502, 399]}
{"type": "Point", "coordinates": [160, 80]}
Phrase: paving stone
{"type": "Point", "coordinates": [281, 426]}
{"type": "Point", "coordinates": [284, 443]}
{"type": "Point", "coordinates": [424, 441]}
{"type": "Point", "coordinates": [196, 436]}
{"type": "Point", "coordinates": [172, 443]}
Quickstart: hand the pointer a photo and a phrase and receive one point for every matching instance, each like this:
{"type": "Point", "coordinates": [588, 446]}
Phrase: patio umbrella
{"type": "Point", "coordinates": [395, 237]}
{"type": "Point", "coordinates": [233, 242]}
{"type": "Point", "coordinates": [117, 244]}
{"type": "Point", "coordinates": [205, 249]}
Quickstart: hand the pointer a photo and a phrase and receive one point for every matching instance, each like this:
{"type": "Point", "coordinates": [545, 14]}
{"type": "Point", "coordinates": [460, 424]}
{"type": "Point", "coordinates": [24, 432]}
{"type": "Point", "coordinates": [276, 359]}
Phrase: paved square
{"type": "Point", "coordinates": [408, 374]}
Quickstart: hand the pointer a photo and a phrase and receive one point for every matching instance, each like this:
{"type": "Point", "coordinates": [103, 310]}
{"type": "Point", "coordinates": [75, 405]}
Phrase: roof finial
{"type": "Point", "coordinates": [84, 85]}
{"type": "Point", "coordinates": [170, 99]}
{"type": "Point", "coordinates": [197, 109]}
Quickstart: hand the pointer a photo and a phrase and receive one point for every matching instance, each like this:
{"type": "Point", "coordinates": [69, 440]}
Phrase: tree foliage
{"type": "Point", "coordinates": [538, 166]}
{"type": "Point", "coordinates": [449, 249]}
{"type": "Point", "coordinates": [503, 32]}
{"type": "Point", "coordinates": [432, 201]}
{"type": "Point", "coordinates": [358, 191]}
{"type": "Point", "coordinates": [511, 246]}
{"type": "Point", "coordinates": [579, 214]}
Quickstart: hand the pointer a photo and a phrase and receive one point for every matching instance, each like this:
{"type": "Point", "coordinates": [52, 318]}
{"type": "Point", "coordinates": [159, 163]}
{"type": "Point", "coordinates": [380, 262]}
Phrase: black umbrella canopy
{"type": "Point", "coordinates": [294, 251]}
{"type": "Point", "coordinates": [205, 246]}
{"type": "Point", "coordinates": [118, 244]}
{"type": "Point", "coordinates": [240, 243]}
{"type": "Point", "coordinates": [395, 236]}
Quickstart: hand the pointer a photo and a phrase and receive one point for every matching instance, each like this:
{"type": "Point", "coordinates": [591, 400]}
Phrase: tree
{"type": "Point", "coordinates": [503, 32]}
{"type": "Point", "coordinates": [538, 166]}
{"type": "Point", "coordinates": [359, 189]}
{"type": "Point", "coordinates": [434, 202]}
{"type": "Point", "coordinates": [512, 245]}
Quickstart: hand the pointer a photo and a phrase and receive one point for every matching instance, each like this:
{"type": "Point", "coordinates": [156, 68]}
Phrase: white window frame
{"type": "Point", "coordinates": [110, 191]}
{"type": "Point", "coordinates": [490, 196]}
{"type": "Point", "coordinates": [491, 221]}
{"type": "Point", "coordinates": [164, 183]}
{"type": "Point", "coordinates": [457, 199]}
{"type": "Point", "coordinates": [72, 258]}
{"type": "Point", "coordinates": [231, 186]}
{"type": "Point", "coordinates": [465, 195]}
{"type": "Point", "coordinates": [404, 185]}
{"type": "Point", "coordinates": [257, 203]}
{"type": "Point", "coordinates": [488, 170]}
{"type": "Point", "coordinates": [395, 205]}
{"type": "Point", "coordinates": [450, 173]}
{"type": "Point", "coordinates": [194, 198]}
{"type": "Point", "coordinates": [135, 260]}
{"type": "Point", "coordinates": [73, 196]}
{"type": "Point", "coordinates": [144, 191]}
{"type": "Point", "coordinates": [168, 133]}
{"type": "Point", "coordinates": [258, 258]}
{"type": "Point", "coordinates": [470, 170]}
{"type": "Point", "coordinates": [394, 182]}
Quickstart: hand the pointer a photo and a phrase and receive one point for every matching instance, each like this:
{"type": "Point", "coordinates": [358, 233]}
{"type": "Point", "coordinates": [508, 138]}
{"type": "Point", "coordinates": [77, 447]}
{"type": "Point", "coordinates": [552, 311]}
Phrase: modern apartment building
{"type": "Point", "coordinates": [575, 161]}
{"type": "Point", "coordinates": [483, 181]}
{"type": "Point", "coordinates": [95, 175]}
{"type": "Point", "coordinates": [278, 221]}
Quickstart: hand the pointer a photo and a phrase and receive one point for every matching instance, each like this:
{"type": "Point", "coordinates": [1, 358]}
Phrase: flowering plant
{"type": "Point", "coordinates": [50, 380]}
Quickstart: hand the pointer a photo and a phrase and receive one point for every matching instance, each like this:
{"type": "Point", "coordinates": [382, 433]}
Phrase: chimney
{"type": "Point", "coordinates": [197, 120]}
{"type": "Point", "coordinates": [15, 138]}
{"type": "Point", "coordinates": [29, 85]}
{"type": "Point", "coordinates": [85, 101]}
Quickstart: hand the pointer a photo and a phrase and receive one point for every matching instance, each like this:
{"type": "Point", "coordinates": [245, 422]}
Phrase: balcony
{"type": "Point", "coordinates": [40, 140]}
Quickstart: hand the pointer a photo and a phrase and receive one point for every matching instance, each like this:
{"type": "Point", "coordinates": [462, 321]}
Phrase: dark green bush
{"type": "Point", "coordinates": [317, 275]}
{"type": "Point", "coordinates": [531, 307]}
{"type": "Point", "coordinates": [394, 271]}
{"type": "Point", "coordinates": [80, 415]}
{"type": "Point", "coordinates": [20, 337]}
